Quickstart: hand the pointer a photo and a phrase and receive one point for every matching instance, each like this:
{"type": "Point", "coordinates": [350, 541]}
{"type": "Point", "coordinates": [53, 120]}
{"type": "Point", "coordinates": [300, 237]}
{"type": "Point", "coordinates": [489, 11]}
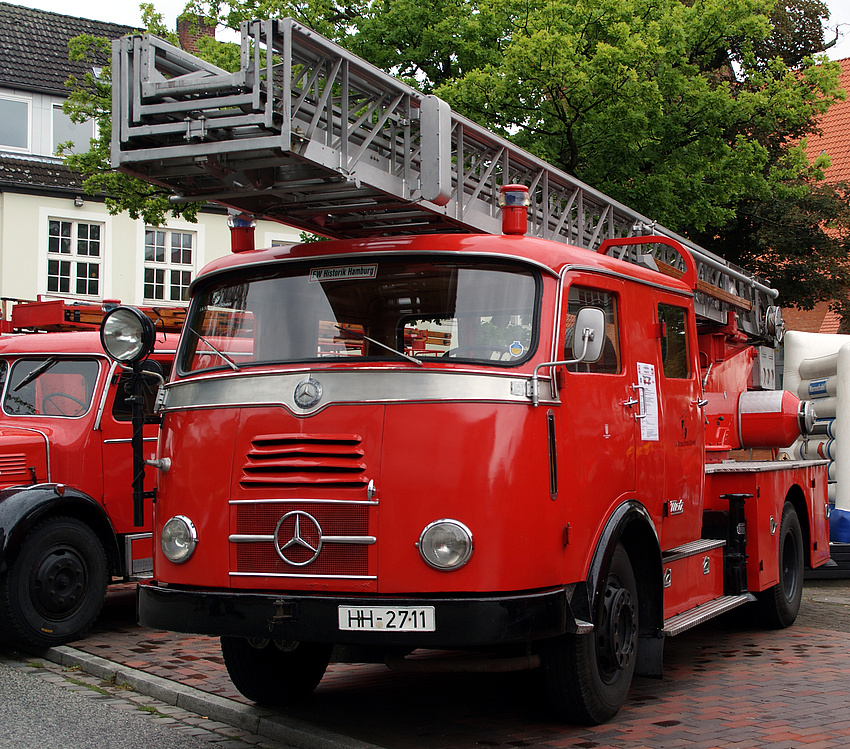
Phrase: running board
{"type": "Point", "coordinates": [675, 625]}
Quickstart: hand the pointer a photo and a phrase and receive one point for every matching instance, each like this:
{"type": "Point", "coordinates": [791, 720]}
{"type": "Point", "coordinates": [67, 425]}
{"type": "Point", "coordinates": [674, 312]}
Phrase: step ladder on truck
{"type": "Point", "coordinates": [497, 414]}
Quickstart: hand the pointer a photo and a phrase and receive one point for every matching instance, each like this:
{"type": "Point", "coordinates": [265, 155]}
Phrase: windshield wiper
{"type": "Point", "coordinates": [358, 334]}
{"type": "Point", "coordinates": [40, 369]}
{"type": "Point", "coordinates": [232, 364]}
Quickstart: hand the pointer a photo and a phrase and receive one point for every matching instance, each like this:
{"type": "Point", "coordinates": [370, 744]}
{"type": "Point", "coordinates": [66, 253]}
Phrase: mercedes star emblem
{"type": "Point", "coordinates": [298, 538]}
{"type": "Point", "coordinates": [308, 393]}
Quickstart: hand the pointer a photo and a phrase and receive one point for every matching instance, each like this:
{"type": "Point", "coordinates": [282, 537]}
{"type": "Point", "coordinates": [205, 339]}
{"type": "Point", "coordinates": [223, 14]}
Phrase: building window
{"type": "Point", "coordinates": [64, 130]}
{"type": "Point", "coordinates": [74, 255]}
{"type": "Point", "coordinates": [15, 116]}
{"type": "Point", "coordinates": [169, 259]}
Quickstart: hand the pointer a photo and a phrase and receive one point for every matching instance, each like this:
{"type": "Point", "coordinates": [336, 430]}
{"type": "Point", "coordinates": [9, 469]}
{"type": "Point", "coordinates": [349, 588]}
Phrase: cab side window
{"type": "Point", "coordinates": [610, 361]}
{"type": "Point", "coordinates": [673, 335]}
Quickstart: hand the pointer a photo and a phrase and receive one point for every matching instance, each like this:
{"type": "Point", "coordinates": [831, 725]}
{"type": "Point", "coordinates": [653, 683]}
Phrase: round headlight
{"type": "Point", "coordinates": [178, 539]}
{"type": "Point", "coordinates": [127, 334]}
{"type": "Point", "coordinates": [446, 544]}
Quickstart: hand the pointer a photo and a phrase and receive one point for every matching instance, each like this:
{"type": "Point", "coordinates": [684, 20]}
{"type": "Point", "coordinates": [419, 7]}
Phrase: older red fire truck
{"type": "Point", "coordinates": [66, 506]}
{"type": "Point", "coordinates": [444, 430]}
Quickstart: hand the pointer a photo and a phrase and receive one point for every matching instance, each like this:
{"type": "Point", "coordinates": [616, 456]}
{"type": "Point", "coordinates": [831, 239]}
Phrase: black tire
{"type": "Point", "coordinates": [780, 604]}
{"type": "Point", "coordinates": [54, 590]}
{"type": "Point", "coordinates": [587, 677]}
{"type": "Point", "coordinates": [274, 673]}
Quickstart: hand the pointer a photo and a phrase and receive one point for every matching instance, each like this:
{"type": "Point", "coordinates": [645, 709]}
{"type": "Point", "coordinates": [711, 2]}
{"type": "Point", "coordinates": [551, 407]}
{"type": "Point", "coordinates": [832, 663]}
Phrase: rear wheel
{"type": "Point", "coordinates": [587, 677]}
{"type": "Point", "coordinates": [54, 590]}
{"type": "Point", "coordinates": [274, 672]}
{"type": "Point", "coordinates": [781, 603]}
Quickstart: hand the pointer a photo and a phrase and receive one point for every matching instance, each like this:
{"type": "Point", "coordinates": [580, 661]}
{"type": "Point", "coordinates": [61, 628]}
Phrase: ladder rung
{"type": "Point", "coordinates": [708, 289]}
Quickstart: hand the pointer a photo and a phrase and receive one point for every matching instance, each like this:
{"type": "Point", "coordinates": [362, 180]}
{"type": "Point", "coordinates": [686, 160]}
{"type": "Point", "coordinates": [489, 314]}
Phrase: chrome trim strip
{"type": "Point", "coordinates": [303, 577]}
{"type": "Point", "coordinates": [345, 386]}
{"type": "Point", "coordinates": [244, 538]}
{"type": "Point", "coordinates": [301, 501]}
{"type": "Point", "coordinates": [106, 386]}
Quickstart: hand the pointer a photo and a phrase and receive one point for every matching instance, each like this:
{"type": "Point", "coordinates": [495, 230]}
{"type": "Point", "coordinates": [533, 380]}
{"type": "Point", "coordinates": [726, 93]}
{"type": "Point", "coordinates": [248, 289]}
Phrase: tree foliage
{"type": "Point", "coordinates": [690, 111]}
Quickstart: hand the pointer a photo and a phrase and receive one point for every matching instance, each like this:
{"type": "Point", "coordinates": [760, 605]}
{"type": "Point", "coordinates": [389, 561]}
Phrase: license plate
{"type": "Point", "coordinates": [387, 618]}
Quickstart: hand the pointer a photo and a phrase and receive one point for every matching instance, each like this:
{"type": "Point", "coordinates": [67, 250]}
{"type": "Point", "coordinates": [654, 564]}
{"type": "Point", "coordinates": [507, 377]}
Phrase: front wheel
{"type": "Point", "coordinates": [54, 590]}
{"type": "Point", "coordinates": [587, 677]}
{"type": "Point", "coordinates": [274, 672]}
{"type": "Point", "coordinates": [781, 603]}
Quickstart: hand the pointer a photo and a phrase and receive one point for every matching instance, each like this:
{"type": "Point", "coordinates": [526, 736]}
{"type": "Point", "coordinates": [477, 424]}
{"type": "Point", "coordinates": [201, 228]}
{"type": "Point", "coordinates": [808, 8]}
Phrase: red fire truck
{"type": "Point", "coordinates": [447, 430]}
{"type": "Point", "coordinates": [66, 506]}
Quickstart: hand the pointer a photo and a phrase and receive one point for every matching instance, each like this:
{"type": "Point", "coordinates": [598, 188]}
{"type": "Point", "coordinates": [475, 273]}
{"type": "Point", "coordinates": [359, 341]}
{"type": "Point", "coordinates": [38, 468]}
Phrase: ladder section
{"type": "Point", "coordinates": [310, 135]}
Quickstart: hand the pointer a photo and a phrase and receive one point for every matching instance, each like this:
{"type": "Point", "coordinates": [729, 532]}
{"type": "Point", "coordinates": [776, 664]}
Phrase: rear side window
{"type": "Point", "coordinates": [50, 386]}
{"type": "Point", "coordinates": [610, 362]}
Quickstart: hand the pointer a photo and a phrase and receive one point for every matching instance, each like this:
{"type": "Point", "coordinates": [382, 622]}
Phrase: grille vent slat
{"type": "Point", "coordinates": [303, 460]}
{"type": "Point", "coordinates": [13, 464]}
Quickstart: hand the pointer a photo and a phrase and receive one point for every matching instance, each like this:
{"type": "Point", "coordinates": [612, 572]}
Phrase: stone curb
{"type": "Point", "coordinates": [247, 717]}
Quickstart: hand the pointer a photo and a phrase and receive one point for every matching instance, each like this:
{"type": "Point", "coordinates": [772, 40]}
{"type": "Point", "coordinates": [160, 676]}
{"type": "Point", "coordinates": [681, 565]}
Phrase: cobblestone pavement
{"type": "Point", "coordinates": [726, 684]}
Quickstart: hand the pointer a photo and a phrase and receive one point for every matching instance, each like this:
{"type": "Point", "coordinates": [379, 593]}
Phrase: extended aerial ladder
{"type": "Point", "coordinates": [308, 134]}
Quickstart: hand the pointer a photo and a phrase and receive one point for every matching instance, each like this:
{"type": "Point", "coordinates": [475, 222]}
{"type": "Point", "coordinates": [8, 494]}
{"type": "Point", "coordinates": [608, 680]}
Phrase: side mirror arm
{"type": "Point", "coordinates": [587, 335]}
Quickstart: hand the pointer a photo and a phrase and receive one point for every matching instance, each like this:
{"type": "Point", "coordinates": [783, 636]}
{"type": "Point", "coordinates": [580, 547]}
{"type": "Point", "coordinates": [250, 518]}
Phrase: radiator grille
{"type": "Point", "coordinates": [304, 460]}
{"type": "Point", "coordinates": [335, 519]}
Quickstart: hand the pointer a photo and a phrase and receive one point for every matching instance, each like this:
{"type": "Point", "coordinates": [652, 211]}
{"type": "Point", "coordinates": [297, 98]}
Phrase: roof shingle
{"type": "Point", "coordinates": [833, 139]}
{"type": "Point", "coordinates": [34, 47]}
{"type": "Point", "coordinates": [37, 172]}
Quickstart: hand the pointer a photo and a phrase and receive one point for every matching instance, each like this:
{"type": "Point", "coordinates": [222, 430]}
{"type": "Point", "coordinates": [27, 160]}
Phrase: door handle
{"type": "Point", "coordinates": [640, 414]}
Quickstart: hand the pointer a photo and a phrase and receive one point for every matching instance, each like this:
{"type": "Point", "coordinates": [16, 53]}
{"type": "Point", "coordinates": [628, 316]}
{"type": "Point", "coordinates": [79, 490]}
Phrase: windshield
{"type": "Point", "coordinates": [48, 386]}
{"type": "Point", "coordinates": [410, 310]}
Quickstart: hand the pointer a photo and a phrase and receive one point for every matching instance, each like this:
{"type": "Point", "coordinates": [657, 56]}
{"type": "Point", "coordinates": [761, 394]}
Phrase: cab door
{"type": "Point", "coordinates": [681, 432]}
{"type": "Point", "coordinates": [597, 448]}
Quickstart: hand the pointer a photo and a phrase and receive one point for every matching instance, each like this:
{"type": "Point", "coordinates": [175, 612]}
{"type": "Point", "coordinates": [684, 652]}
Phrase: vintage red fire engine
{"type": "Point", "coordinates": [66, 506]}
{"type": "Point", "coordinates": [420, 437]}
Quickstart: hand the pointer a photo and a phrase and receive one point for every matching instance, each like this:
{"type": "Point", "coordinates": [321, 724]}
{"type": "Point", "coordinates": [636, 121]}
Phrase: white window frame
{"type": "Point", "coordinates": [76, 217]}
{"type": "Point", "coordinates": [273, 238]}
{"type": "Point", "coordinates": [181, 227]}
{"type": "Point", "coordinates": [28, 101]}
{"type": "Point", "coordinates": [92, 129]}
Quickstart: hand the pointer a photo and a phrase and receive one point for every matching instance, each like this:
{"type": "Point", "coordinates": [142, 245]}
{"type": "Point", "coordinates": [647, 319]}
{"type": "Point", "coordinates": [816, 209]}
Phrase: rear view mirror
{"type": "Point", "coordinates": [588, 342]}
{"type": "Point", "coordinates": [589, 334]}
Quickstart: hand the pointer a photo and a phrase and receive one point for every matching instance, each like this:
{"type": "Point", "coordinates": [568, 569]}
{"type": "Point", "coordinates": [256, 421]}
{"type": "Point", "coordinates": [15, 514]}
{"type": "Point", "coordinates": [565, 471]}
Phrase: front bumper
{"type": "Point", "coordinates": [460, 621]}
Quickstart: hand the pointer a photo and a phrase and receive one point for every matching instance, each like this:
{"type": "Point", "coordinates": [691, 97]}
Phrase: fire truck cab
{"type": "Point", "coordinates": [66, 512]}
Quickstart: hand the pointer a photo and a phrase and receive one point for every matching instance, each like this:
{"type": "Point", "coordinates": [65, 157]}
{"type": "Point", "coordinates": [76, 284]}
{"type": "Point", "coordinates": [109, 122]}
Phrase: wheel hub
{"type": "Point", "coordinates": [59, 583]}
{"type": "Point", "coordinates": [617, 634]}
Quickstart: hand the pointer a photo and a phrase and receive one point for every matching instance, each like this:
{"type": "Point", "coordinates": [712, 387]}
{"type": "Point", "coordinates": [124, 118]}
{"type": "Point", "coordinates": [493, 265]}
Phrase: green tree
{"type": "Point", "coordinates": [796, 32]}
